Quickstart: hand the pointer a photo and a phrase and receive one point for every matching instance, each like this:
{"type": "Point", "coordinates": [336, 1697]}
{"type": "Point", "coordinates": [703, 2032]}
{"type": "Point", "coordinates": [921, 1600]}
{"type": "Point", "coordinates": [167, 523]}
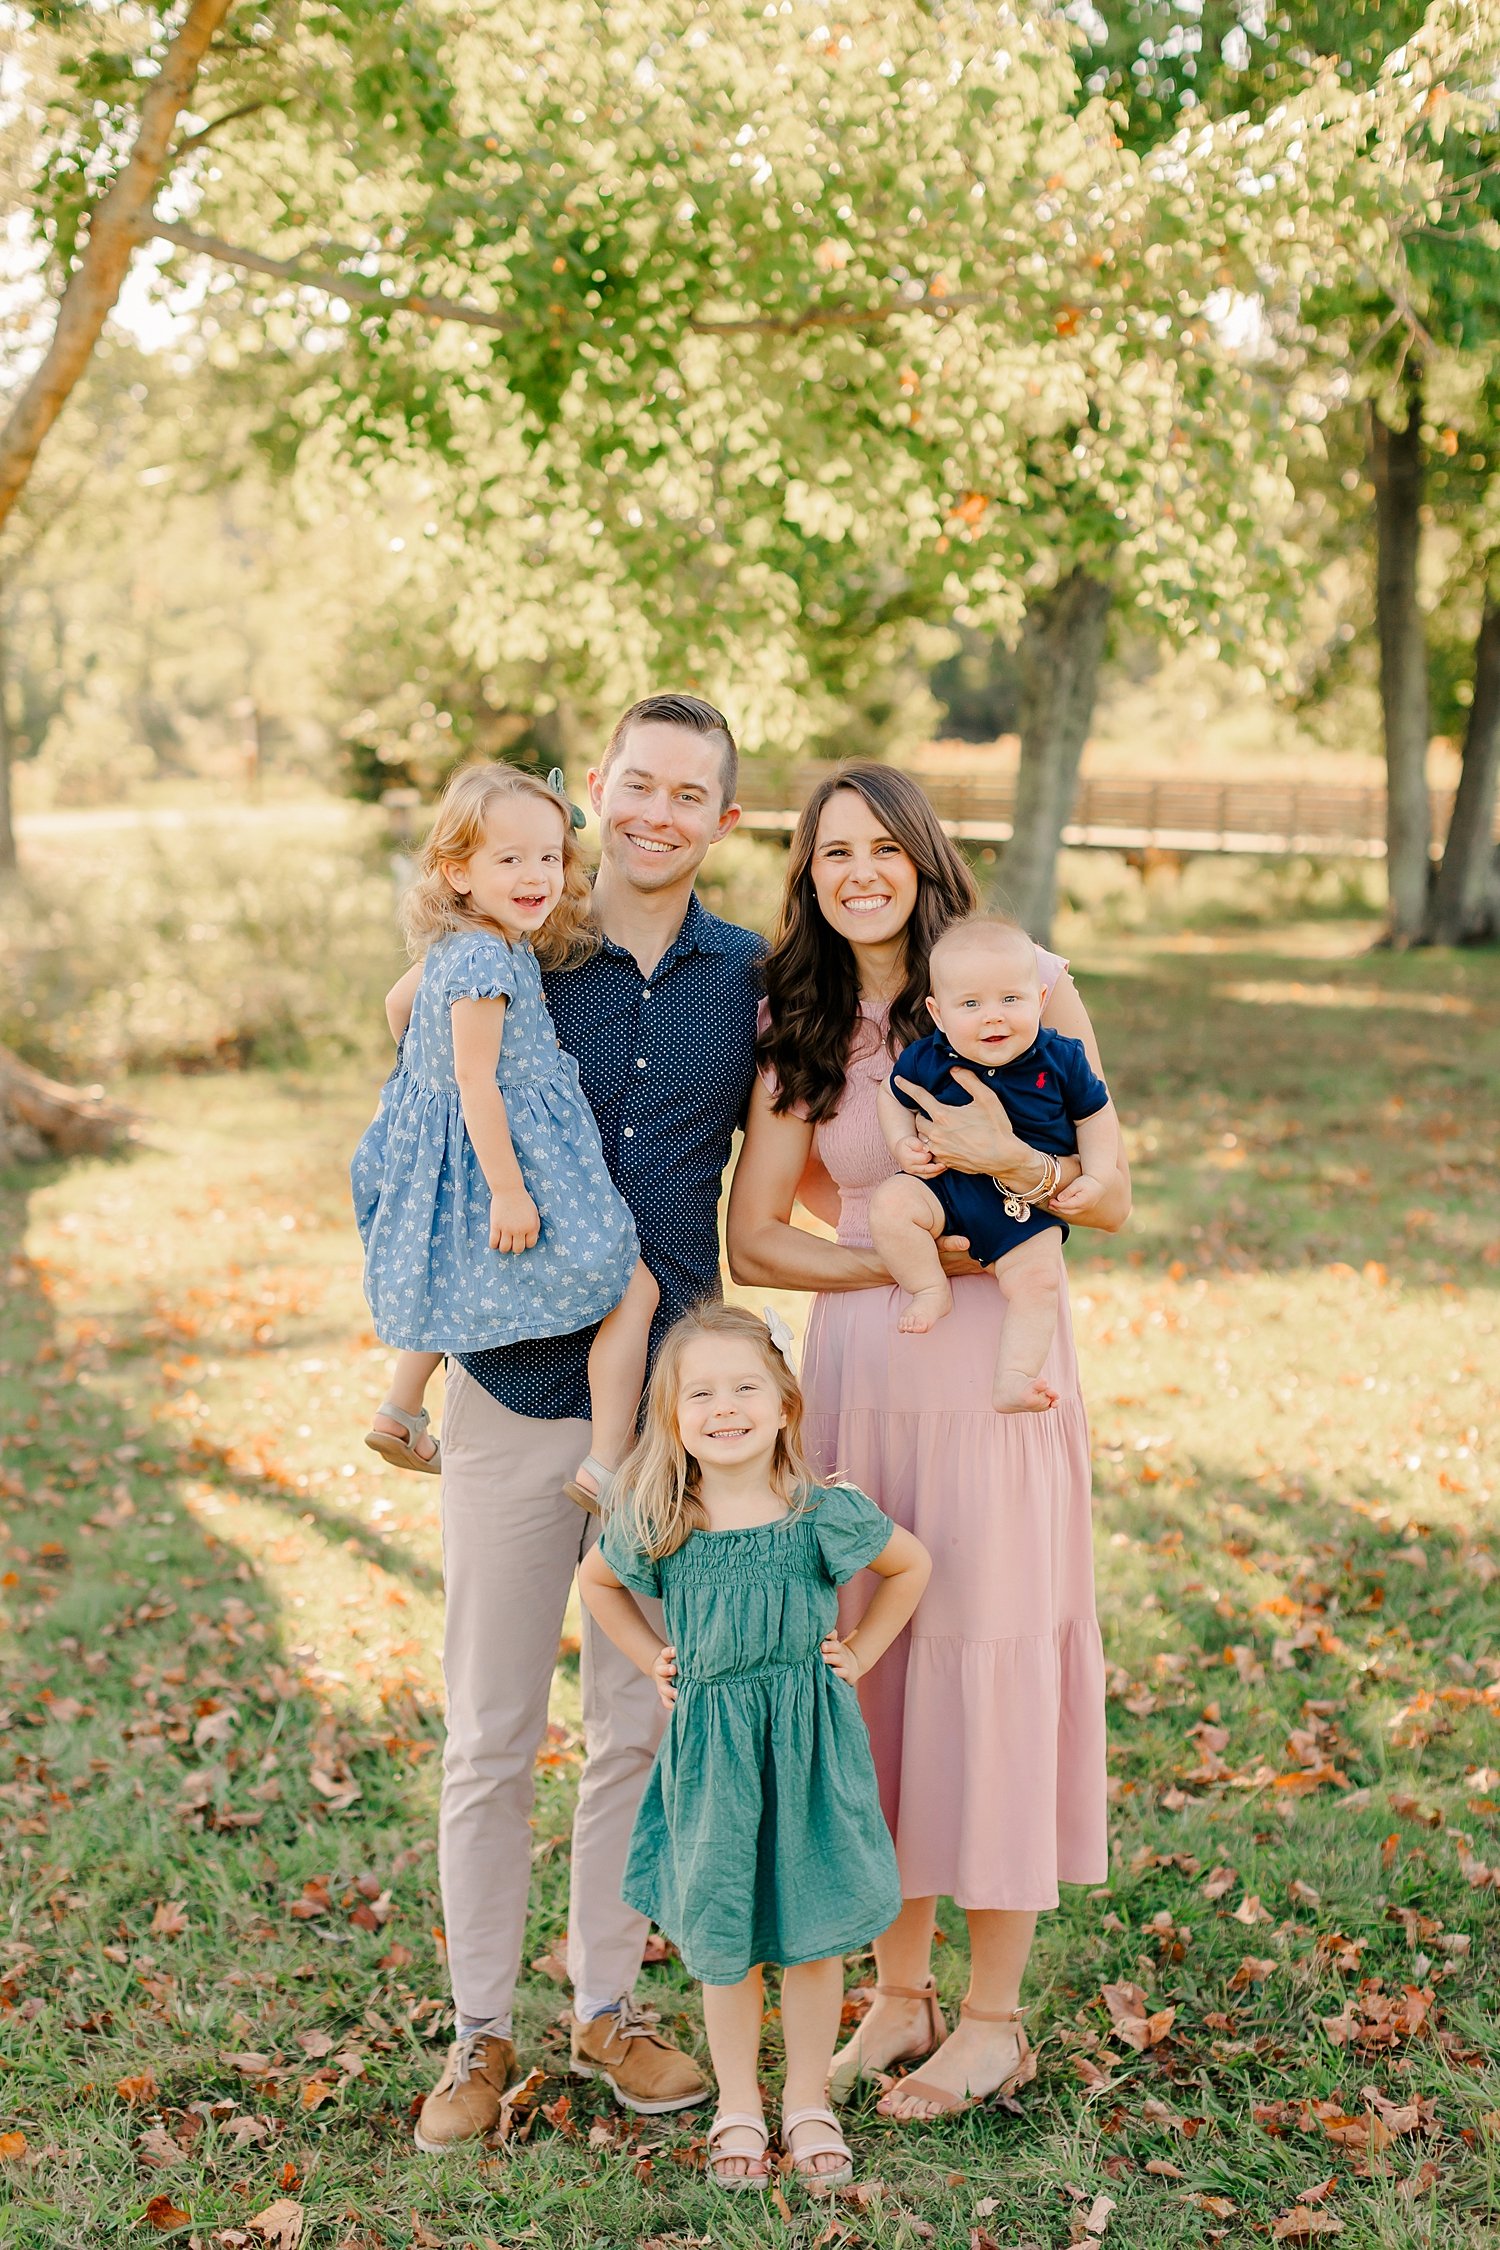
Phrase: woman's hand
{"type": "Point", "coordinates": [978, 1137]}
{"type": "Point", "coordinates": [515, 1221]}
{"type": "Point", "coordinates": [664, 1672]}
{"type": "Point", "coordinates": [842, 1659]}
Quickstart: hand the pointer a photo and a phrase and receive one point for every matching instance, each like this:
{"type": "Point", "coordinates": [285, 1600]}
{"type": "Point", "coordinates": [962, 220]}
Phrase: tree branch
{"type": "Point", "coordinates": [346, 286]}
{"type": "Point", "coordinates": [115, 228]}
{"type": "Point", "coordinates": [356, 291]}
{"type": "Point", "coordinates": [196, 140]}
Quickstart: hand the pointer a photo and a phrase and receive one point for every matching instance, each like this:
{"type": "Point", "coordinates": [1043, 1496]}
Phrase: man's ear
{"type": "Point", "coordinates": [594, 783]}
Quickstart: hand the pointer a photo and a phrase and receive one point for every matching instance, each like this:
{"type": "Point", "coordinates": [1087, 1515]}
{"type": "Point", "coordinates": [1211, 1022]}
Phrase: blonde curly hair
{"type": "Point", "coordinates": [433, 909]}
{"type": "Point", "coordinates": [659, 1482]}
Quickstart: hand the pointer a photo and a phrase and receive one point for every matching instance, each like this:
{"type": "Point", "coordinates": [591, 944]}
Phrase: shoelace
{"type": "Point", "coordinates": [464, 2052]}
{"type": "Point", "coordinates": [632, 2021]}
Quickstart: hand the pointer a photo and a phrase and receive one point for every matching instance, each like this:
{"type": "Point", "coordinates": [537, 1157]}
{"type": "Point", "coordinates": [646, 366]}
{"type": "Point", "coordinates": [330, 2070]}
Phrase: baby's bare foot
{"type": "Point", "coordinates": [927, 1308]}
{"type": "Point", "coordinates": [1015, 1393]}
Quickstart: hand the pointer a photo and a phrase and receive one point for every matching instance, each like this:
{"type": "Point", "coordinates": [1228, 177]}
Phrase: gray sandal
{"type": "Point", "coordinates": [592, 1503]}
{"type": "Point", "coordinates": [402, 1452]}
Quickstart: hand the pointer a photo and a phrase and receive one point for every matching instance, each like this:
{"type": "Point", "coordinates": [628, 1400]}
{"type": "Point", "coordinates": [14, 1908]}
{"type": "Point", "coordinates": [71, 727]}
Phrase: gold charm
{"type": "Point", "coordinates": [1015, 1208]}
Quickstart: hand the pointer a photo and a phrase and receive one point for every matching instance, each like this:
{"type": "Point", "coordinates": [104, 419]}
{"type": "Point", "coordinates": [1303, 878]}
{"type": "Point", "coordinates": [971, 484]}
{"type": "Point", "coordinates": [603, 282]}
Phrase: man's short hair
{"type": "Point", "coordinates": [689, 711]}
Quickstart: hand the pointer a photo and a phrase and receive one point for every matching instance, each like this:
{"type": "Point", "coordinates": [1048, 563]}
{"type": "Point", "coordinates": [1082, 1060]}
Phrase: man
{"type": "Point", "coordinates": [662, 1022]}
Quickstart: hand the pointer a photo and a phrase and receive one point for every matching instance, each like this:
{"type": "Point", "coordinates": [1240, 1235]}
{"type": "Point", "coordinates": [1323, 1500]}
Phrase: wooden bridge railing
{"type": "Point", "coordinates": [1269, 817]}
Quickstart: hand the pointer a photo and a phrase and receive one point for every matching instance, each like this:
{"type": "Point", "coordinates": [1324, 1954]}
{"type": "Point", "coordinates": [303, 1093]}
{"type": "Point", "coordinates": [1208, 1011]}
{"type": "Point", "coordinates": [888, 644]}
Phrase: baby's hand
{"type": "Point", "coordinates": [841, 1658]}
{"type": "Point", "coordinates": [1078, 1198]}
{"type": "Point", "coordinates": [515, 1221]}
{"type": "Point", "coordinates": [664, 1672]}
{"type": "Point", "coordinates": [916, 1158]}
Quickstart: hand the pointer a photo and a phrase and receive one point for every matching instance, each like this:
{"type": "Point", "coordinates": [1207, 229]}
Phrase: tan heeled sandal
{"type": "Point", "coordinates": [849, 2066]}
{"type": "Point", "coordinates": [944, 2104]}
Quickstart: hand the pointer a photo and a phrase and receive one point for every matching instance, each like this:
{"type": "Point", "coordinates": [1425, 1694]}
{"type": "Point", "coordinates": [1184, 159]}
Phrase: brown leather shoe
{"type": "Point", "coordinates": [464, 2105]}
{"type": "Point", "coordinates": [640, 2067]}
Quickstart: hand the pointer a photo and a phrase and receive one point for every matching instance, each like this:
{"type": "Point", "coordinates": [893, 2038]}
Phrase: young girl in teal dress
{"type": "Point", "coordinates": [480, 1187]}
{"type": "Point", "coordinates": [760, 1837]}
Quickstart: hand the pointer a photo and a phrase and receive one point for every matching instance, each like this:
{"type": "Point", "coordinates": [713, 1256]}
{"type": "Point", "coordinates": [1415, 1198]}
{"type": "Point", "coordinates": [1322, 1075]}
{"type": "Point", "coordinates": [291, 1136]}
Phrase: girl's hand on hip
{"type": "Point", "coordinates": [664, 1672]}
{"type": "Point", "coordinates": [515, 1221]}
{"type": "Point", "coordinates": [977, 1136]}
{"type": "Point", "coordinates": [841, 1658]}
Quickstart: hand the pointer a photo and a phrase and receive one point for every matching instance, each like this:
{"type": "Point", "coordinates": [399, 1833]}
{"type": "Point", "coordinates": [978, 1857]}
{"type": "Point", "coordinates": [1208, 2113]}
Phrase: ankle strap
{"type": "Point", "coordinates": [991, 2015]}
{"type": "Point", "coordinates": [927, 1991]}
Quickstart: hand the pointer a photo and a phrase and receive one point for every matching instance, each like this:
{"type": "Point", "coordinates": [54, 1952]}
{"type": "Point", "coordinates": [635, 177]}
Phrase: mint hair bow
{"type": "Point", "coordinates": [576, 813]}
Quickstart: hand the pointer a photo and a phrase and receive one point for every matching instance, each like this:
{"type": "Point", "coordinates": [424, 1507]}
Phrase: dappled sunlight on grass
{"type": "Point", "coordinates": [219, 1780]}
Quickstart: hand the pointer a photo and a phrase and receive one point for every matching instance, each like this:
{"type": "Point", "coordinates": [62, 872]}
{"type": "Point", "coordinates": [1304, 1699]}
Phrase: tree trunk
{"type": "Point", "coordinates": [40, 1118]}
{"type": "Point", "coordinates": [7, 821]}
{"type": "Point", "coordinates": [1062, 645]}
{"type": "Point", "coordinates": [120, 220]}
{"type": "Point", "coordinates": [1466, 898]}
{"type": "Point", "coordinates": [1396, 468]}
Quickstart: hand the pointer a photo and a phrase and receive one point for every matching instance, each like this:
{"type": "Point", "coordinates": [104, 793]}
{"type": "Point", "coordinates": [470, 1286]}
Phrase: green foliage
{"type": "Point", "coordinates": [206, 944]}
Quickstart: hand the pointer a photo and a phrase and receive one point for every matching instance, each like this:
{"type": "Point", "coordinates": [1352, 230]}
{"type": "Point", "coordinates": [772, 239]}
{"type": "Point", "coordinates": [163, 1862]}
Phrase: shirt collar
{"type": "Point", "coordinates": [951, 1055]}
{"type": "Point", "coordinates": [701, 932]}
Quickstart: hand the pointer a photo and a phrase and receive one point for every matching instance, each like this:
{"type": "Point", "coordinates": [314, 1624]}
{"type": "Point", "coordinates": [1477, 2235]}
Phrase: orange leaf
{"type": "Point", "coordinates": [140, 2089]}
{"type": "Point", "coordinates": [164, 2213]}
{"type": "Point", "coordinates": [316, 2092]}
{"type": "Point", "coordinates": [1298, 2224]}
{"type": "Point", "coordinates": [12, 2145]}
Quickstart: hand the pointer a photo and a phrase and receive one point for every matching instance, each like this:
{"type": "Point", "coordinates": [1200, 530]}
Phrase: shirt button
{"type": "Point", "coordinates": [645, 991]}
{"type": "Point", "coordinates": [640, 1062]}
{"type": "Point", "coordinates": [630, 1132]}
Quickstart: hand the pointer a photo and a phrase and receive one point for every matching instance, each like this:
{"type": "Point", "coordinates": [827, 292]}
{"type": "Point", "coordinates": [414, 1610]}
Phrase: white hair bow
{"type": "Point", "coordinates": [781, 1335]}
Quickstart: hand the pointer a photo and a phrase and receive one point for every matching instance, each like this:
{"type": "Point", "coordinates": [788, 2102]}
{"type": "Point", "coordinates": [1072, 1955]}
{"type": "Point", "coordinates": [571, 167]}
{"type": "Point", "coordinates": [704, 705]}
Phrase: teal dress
{"type": "Point", "coordinates": [760, 1837]}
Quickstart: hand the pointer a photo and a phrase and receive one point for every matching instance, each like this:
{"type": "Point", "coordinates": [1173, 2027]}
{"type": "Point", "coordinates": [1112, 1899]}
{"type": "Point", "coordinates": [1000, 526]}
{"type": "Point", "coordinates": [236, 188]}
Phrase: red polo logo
{"type": "Point", "coordinates": [1041, 1078]}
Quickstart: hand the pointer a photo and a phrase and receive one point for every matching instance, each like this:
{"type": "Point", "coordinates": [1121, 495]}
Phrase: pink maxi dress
{"type": "Point", "coordinates": [987, 1715]}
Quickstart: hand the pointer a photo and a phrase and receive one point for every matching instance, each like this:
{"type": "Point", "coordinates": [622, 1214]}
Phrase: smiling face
{"type": "Point", "coordinates": [515, 877]}
{"type": "Point", "coordinates": [729, 1407]}
{"type": "Point", "coordinates": [986, 992]}
{"type": "Point", "coordinates": [660, 803]}
{"type": "Point", "coordinates": [865, 882]}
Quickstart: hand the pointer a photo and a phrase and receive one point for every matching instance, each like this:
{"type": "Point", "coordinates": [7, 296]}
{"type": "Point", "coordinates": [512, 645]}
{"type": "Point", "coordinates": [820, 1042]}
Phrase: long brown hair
{"type": "Point", "coordinates": [811, 979]}
{"type": "Point", "coordinates": [432, 908]}
{"type": "Point", "coordinates": [660, 1481]}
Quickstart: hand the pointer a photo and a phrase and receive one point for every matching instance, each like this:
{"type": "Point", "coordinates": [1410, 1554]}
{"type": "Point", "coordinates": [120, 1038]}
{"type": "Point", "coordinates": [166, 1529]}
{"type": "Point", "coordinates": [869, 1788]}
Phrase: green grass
{"type": "Point", "coordinates": [221, 1702]}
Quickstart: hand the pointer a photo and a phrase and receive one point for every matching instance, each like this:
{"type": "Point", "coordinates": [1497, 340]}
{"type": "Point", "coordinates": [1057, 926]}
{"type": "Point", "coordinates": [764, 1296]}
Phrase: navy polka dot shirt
{"type": "Point", "coordinates": [667, 1062]}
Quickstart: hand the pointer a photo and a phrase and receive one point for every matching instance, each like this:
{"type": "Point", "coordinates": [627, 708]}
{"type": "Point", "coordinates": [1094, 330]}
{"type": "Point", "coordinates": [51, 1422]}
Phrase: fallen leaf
{"type": "Point", "coordinates": [12, 2147]}
{"type": "Point", "coordinates": [1250, 1911]}
{"type": "Point", "coordinates": [1420, 2182]}
{"type": "Point", "coordinates": [1163, 2169]}
{"type": "Point", "coordinates": [169, 1920]}
{"type": "Point", "coordinates": [1321, 2192]}
{"type": "Point", "coordinates": [139, 2089]}
{"type": "Point", "coordinates": [158, 2149]}
{"type": "Point", "coordinates": [1217, 2206]}
{"type": "Point", "coordinates": [165, 2214]}
{"type": "Point", "coordinates": [280, 2224]}
{"type": "Point", "coordinates": [1099, 2213]}
{"type": "Point", "coordinates": [1299, 2224]}
{"type": "Point", "coordinates": [316, 2092]}
{"type": "Point", "coordinates": [1251, 1971]}
{"type": "Point", "coordinates": [315, 2044]}
{"type": "Point", "coordinates": [1219, 1881]}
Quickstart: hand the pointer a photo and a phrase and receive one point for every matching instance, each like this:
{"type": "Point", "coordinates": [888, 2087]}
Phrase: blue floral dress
{"type": "Point", "coordinates": [423, 1203]}
{"type": "Point", "coordinates": [760, 1836]}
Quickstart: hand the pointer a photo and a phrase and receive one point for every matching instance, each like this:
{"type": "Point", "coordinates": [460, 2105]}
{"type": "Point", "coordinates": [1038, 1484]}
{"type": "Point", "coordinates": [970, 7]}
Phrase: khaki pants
{"type": "Point", "coordinates": [512, 1542]}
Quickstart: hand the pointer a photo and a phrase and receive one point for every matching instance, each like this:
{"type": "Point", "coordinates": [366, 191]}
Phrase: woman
{"type": "Point", "coordinates": [987, 1720]}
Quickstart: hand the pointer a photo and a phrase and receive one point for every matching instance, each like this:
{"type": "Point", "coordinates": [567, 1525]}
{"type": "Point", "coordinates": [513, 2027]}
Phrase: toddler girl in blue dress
{"type": "Point", "coordinates": [486, 1209]}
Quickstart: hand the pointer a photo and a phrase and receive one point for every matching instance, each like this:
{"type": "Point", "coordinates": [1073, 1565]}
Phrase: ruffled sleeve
{"type": "Point", "coordinates": [633, 1568]}
{"type": "Point", "coordinates": [477, 966]}
{"type": "Point", "coordinates": [1050, 966]}
{"type": "Point", "coordinates": [850, 1529]}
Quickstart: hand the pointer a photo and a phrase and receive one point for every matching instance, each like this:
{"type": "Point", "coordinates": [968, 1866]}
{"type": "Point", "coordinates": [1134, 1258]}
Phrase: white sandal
{"type": "Point", "coordinates": [402, 1452]}
{"type": "Point", "coordinates": [593, 1503]}
{"type": "Point", "coordinates": [831, 2144]}
{"type": "Point", "coordinates": [736, 2183]}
